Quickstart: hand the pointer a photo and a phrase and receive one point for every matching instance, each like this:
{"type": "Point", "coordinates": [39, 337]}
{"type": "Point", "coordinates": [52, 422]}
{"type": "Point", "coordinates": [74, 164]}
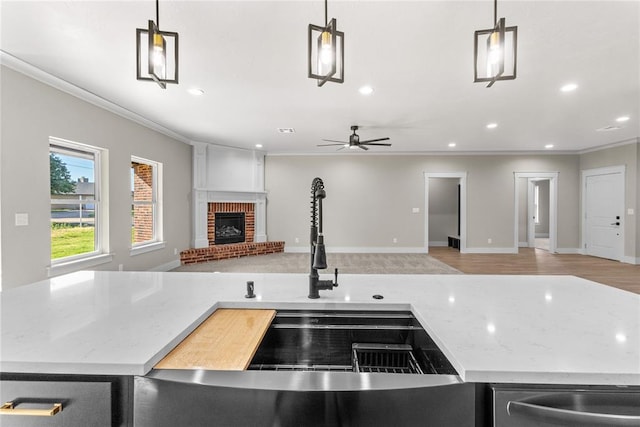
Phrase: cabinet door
{"type": "Point", "coordinates": [83, 403]}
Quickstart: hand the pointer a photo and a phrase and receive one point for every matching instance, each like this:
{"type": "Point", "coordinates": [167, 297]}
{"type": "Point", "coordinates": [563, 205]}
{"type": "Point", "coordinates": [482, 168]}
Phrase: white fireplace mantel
{"type": "Point", "coordinates": [212, 167]}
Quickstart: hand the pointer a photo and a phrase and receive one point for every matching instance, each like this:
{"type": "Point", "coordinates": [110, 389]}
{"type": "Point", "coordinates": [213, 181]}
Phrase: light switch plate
{"type": "Point", "coordinates": [415, 210]}
{"type": "Point", "coordinates": [630, 211]}
{"type": "Point", "coordinates": [22, 219]}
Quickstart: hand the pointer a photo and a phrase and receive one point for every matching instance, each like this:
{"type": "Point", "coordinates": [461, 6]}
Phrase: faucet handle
{"type": "Point", "coordinates": [335, 282]}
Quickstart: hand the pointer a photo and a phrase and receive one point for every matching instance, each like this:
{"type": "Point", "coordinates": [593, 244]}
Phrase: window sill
{"type": "Point", "coordinates": [79, 264]}
{"type": "Point", "coordinates": [150, 247]}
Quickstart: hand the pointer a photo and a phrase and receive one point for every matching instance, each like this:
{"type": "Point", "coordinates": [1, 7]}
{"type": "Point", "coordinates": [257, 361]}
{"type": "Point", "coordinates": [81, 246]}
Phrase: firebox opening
{"type": "Point", "coordinates": [229, 227]}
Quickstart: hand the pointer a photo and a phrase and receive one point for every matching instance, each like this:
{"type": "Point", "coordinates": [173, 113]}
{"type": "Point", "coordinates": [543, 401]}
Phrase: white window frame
{"type": "Point", "coordinates": [100, 254]}
{"type": "Point", "coordinates": [157, 241]}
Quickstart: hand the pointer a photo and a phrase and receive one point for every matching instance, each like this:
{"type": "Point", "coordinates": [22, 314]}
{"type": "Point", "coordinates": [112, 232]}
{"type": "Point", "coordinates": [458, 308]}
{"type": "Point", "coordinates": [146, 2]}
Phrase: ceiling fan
{"type": "Point", "coordinates": [354, 141]}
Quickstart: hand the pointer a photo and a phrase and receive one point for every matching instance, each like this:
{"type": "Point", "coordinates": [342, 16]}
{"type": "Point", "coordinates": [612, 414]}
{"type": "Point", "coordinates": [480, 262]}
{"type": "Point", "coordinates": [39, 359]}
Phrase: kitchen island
{"type": "Point", "coordinates": [552, 330]}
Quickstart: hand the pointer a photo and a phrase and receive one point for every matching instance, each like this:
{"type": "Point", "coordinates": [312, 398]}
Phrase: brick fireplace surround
{"type": "Point", "coordinates": [233, 250]}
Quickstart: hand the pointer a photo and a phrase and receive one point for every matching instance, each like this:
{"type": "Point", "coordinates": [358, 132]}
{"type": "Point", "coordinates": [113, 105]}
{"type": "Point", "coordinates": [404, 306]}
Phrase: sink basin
{"type": "Point", "coordinates": [349, 341]}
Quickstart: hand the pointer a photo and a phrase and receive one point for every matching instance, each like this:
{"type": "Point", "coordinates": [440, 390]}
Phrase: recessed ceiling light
{"type": "Point", "coordinates": [196, 92]}
{"type": "Point", "coordinates": [452, 144]}
{"type": "Point", "coordinates": [569, 87]}
{"type": "Point", "coordinates": [286, 130]}
{"type": "Point", "coordinates": [548, 146]}
{"type": "Point", "coordinates": [622, 119]}
{"type": "Point", "coordinates": [258, 145]}
{"type": "Point", "coordinates": [492, 125]}
{"type": "Point", "coordinates": [366, 90]}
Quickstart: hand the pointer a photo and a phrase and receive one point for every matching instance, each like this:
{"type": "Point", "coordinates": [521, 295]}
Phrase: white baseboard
{"type": "Point", "coordinates": [491, 251]}
{"type": "Point", "coordinates": [438, 244]}
{"type": "Point", "coordinates": [361, 250]}
{"type": "Point", "coordinates": [542, 235]}
{"type": "Point", "coordinates": [570, 251]}
{"type": "Point", "coordinates": [523, 244]}
{"type": "Point", "coordinates": [167, 266]}
{"type": "Point", "coordinates": [630, 260]}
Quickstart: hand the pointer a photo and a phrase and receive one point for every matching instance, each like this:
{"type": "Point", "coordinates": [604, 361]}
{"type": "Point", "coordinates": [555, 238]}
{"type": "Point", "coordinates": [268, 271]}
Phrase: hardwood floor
{"type": "Point", "coordinates": [536, 261]}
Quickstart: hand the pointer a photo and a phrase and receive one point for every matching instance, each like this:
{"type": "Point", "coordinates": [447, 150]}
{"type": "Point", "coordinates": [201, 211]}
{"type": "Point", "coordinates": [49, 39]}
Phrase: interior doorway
{"type": "Point", "coordinates": [536, 204]}
{"type": "Point", "coordinates": [538, 213]}
{"type": "Point", "coordinates": [445, 210]}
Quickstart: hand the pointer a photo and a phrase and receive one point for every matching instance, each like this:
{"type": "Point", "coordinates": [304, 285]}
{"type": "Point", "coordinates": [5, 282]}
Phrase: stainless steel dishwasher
{"type": "Point", "coordinates": [318, 368]}
{"type": "Point", "coordinates": [567, 406]}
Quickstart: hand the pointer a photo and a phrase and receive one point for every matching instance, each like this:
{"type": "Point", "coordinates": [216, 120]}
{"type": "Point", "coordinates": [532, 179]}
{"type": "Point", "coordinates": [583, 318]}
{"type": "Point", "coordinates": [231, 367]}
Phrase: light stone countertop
{"type": "Point", "coordinates": [510, 329]}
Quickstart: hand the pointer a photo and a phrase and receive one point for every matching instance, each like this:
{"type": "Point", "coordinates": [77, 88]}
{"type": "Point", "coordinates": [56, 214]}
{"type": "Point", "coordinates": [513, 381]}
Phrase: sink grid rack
{"type": "Point", "coordinates": [385, 358]}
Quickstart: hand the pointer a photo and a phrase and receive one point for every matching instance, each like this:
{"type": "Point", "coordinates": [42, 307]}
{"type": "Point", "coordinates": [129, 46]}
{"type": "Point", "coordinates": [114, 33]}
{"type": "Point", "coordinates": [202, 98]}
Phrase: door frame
{"type": "Point", "coordinates": [553, 206]}
{"type": "Point", "coordinates": [609, 170]}
{"type": "Point", "coordinates": [462, 179]}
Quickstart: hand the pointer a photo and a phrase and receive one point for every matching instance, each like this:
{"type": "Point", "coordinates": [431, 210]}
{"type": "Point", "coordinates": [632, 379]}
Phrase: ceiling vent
{"type": "Point", "coordinates": [608, 128]}
{"type": "Point", "coordinates": [286, 130]}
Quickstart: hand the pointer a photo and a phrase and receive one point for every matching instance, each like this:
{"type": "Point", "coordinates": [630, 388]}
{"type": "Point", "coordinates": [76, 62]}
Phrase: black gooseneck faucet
{"type": "Point", "coordinates": [318, 253]}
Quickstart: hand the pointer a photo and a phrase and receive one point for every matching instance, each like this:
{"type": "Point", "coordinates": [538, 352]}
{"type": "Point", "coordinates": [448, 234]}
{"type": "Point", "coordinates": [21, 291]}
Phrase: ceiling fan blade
{"type": "Point", "coordinates": [333, 140]}
{"type": "Point", "coordinates": [360, 146]}
{"type": "Point", "coordinates": [328, 145]}
{"type": "Point", "coordinates": [374, 140]}
{"type": "Point", "coordinates": [375, 143]}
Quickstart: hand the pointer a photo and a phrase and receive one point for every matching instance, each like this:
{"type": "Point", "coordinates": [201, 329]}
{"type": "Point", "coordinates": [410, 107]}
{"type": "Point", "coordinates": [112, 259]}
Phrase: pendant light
{"type": "Point", "coordinates": [326, 55]}
{"type": "Point", "coordinates": [157, 53]}
{"type": "Point", "coordinates": [495, 51]}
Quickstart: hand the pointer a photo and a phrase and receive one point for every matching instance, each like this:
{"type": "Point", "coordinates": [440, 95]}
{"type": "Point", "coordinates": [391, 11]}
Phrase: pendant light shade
{"type": "Point", "coordinates": [326, 52]}
{"type": "Point", "coordinates": [495, 52]}
{"type": "Point", "coordinates": [157, 54]}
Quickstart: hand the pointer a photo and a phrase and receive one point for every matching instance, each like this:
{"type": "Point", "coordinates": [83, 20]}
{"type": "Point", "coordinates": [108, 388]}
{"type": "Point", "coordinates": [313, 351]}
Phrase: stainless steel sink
{"type": "Point", "coordinates": [338, 368]}
{"type": "Point", "coordinates": [349, 341]}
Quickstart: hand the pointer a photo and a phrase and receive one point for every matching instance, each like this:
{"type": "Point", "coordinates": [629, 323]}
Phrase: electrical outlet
{"type": "Point", "coordinates": [489, 240]}
{"type": "Point", "coordinates": [297, 240]}
{"type": "Point", "coordinates": [630, 211]}
{"type": "Point", "coordinates": [175, 251]}
{"type": "Point", "coordinates": [415, 210]}
{"type": "Point", "coordinates": [395, 240]}
{"type": "Point", "coordinates": [22, 219]}
{"type": "Point", "coordinates": [120, 267]}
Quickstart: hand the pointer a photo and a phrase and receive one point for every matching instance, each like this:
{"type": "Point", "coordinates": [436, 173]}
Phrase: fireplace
{"type": "Point", "coordinates": [229, 227]}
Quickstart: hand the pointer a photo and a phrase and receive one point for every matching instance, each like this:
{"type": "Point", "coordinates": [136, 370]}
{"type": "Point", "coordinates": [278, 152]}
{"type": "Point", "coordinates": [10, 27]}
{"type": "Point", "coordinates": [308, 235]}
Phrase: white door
{"type": "Point", "coordinates": [604, 210]}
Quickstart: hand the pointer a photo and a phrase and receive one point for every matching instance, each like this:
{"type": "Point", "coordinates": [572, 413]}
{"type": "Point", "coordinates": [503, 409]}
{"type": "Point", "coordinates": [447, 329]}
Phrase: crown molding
{"type": "Point", "coordinates": [36, 73]}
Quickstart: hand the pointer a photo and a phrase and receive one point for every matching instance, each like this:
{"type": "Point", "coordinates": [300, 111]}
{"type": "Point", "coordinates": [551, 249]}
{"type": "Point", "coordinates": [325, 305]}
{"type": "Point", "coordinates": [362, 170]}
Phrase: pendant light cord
{"type": "Point", "coordinates": [495, 11]}
{"type": "Point", "coordinates": [326, 21]}
{"type": "Point", "coordinates": [158, 14]}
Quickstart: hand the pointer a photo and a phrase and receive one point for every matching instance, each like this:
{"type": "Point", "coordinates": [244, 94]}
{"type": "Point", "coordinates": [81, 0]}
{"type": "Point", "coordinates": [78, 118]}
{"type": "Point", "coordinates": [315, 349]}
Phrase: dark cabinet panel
{"type": "Point", "coordinates": [85, 401]}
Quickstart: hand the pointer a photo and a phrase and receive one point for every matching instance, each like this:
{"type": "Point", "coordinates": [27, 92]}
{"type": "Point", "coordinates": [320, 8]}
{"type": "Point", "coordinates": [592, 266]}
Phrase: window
{"type": "Point", "coordinates": [76, 228]}
{"type": "Point", "coordinates": [146, 207]}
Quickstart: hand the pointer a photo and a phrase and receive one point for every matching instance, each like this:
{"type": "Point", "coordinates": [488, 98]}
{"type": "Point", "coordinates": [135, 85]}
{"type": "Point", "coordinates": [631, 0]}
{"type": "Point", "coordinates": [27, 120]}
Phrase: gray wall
{"type": "Point", "coordinates": [31, 113]}
{"type": "Point", "coordinates": [364, 191]}
{"type": "Point", "coordinates": [522, 211]}
{"type": "Point", "coordinates": [629, 156]}
{"type": "Point", "coordinates": [443, 210]}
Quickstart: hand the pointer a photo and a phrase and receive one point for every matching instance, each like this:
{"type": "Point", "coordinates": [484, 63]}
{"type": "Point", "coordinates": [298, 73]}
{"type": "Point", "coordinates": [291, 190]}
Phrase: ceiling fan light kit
{"type": "Point", "coordinates": [326, 51]}
{"type": "Point", "coordinates": [157, 53]}
{"type": "Point", "coordinates": [354, 141]}
{"type": "Point", "coordinates": [495, 51]}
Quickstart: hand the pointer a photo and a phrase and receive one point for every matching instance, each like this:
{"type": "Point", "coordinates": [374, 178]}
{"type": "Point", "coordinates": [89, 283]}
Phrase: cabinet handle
{"type": "Point", "coordinates": [9, 409]}
{"type": "Point", "coordinates": [569, 417]}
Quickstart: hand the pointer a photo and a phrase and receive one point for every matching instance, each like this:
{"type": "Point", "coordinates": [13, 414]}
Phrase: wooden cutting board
{"type": "Point", "coordinates": [227, 340]}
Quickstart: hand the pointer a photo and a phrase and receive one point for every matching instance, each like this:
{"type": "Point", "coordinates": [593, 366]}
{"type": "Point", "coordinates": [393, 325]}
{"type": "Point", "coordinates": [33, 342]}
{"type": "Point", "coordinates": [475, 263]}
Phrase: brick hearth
{"type": "Point", "coordinates": [233, 250]}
